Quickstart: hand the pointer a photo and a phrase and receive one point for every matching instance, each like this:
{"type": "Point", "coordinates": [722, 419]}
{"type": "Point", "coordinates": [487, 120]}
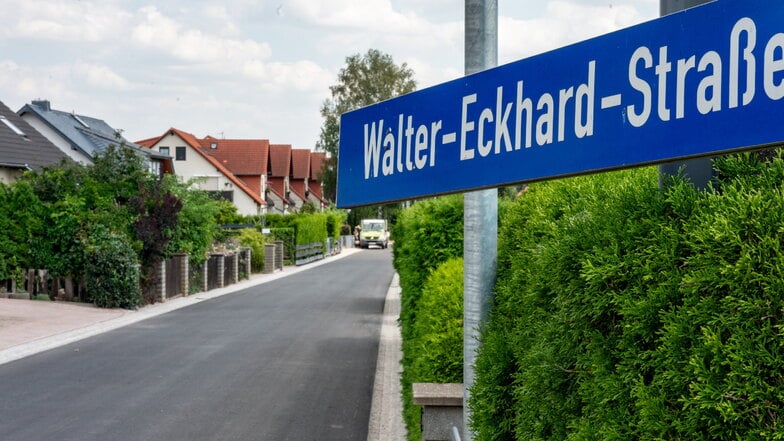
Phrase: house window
{"type": "Point", "coordinates": [164, 150]}
{"type": "Point", "coordinates": [12, 126]}
{"type": "Point", "coordinates": [180, 152]}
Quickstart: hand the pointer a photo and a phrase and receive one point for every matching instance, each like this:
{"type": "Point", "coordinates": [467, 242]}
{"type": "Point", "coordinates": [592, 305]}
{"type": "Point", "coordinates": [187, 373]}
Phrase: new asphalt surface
{"type": "Point", "coordinates": [33, 327]}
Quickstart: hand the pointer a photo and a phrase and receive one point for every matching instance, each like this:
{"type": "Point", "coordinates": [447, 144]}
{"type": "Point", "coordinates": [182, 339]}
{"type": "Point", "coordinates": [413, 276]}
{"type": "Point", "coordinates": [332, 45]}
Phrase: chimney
{"type": "Point", "coordinates": [42, 104]}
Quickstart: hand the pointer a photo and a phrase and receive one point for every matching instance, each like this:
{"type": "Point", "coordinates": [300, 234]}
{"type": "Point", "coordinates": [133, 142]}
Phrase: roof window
{"type": "Point", "coordinates": [76, 117]}
{"type": "Point", "coordinates": [12, 126]}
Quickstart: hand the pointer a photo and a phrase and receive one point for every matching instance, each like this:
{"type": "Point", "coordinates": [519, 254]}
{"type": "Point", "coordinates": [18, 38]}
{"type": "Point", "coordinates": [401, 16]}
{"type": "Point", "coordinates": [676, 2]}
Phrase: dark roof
{"type": "Point", "coordinates": [88, 135]}
{"type": "Point", "coordinates": [28, 151]}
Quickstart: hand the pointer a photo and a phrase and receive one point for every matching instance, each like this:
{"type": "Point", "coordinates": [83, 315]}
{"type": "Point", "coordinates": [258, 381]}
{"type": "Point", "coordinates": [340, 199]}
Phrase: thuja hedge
{"type": "Point", "coordinates": [427, 234]}
{"type": "Point", "coordinates": [627, 312]}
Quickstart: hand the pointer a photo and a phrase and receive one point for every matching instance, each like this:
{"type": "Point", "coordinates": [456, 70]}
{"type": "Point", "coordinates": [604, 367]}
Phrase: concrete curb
{"type": "Point", "coordinates": [386, 411]}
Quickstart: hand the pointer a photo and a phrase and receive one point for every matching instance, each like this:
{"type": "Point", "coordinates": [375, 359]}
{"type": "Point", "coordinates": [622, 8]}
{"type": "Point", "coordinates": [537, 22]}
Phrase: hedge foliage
{"type": "Point", "coordinates": [625, 312]}
{"type": "Point", "coordinates": [437, 336]}
{"type": "Point", "coordinates": [111, 272]}
{"type": "Point", "coordinates": [48, 219]}
{"type": "Point", "coordinates": [254, 240]}
{"type": "Point", "coordinates": [427, 234]}
{"type": "Point", "coordinates": [311, 228]}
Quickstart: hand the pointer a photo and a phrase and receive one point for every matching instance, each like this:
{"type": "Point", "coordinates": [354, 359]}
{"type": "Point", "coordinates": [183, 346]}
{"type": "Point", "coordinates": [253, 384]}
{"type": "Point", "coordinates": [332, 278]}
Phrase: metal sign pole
{"type": "Point", "coordinates": [480, 215]}
{"type": "Point", "coordinates": [699, 170]}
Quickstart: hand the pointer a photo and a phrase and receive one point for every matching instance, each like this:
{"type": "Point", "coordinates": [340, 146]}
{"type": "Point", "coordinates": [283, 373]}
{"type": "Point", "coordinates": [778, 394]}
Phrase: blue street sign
{"type": "Point", "coordinates": [704, 81]}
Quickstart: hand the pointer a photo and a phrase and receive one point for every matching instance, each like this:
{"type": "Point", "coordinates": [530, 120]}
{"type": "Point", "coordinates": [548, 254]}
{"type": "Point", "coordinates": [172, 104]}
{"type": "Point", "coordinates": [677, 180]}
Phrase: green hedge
{"type": "Point", "coordinates": [427, 234]}
{"type": "Point", "coordinates": [111, 271]}
{"type": "Point", "coordinates": [335, 220]}
{"type": "Point", "coordinates": [437, 335]}
{"type": "Point", "coordinates": [626, 312]}
{"type": "Point", "coordinates": [311, 228]}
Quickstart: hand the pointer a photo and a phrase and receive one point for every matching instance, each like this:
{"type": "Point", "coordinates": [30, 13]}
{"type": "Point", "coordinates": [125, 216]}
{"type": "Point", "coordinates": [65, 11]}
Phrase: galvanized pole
{"type": "Point", "coordinates": [480, 215]}
{"type": "Point", "coordinates": [700, 170]}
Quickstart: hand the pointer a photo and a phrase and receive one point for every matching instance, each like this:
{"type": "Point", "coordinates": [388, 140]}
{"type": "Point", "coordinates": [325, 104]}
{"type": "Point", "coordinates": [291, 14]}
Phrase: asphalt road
{"type": "Point", "coordinates": [293, 359]}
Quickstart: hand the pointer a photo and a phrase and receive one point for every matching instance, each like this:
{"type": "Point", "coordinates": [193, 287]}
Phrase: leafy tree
{"type": "Point", "coordinates": [158, 211]}
{"type": "Point", "coordinates": [20, 216]}
{"type": "Point", "coordinates": [366, 79]}
{"type": "Point", "coordinates": [197, 226]}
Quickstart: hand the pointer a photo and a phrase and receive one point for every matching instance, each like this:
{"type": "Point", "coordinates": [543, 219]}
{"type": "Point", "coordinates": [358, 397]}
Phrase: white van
{"type": "Point", "coordinates": [374, 232]}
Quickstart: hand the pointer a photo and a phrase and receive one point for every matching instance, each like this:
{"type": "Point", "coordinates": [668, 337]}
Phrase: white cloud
{"type": "Point", "coordinates": [197, 64]}
{"type": "Point", "coordinates": [64, 20]}
{"type": "Point", "coordinates": [20, 84]}
{"type": "Point", "coordinates": [99, 76]}
{"type": "Point", "coordinates": [193, 45]}
{"type": "Point", "coordinates": [375, 15]}
{"type": "Point", "coordinates": [297, 76]}
{"type": "Point", "coordinates": [564, 22]}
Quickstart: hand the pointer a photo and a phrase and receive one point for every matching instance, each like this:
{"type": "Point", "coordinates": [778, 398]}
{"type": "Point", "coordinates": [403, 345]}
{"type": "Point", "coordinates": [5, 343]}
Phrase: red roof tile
{"type": "Point", "coordinates": [241, 156]}
{"type": "Point", "coordinates": [300, 163]}
{"type": "Point", "coordinates": [280, 160]}
{"type": "Point", "coordinates": [316, 163]}
{"type": "Point", "coordinates": [193, 142]}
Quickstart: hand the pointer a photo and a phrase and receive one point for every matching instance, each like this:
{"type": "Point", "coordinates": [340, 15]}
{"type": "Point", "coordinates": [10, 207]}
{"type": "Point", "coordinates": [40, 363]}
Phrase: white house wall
{"type": "Point", "coordinates": [9, 175]}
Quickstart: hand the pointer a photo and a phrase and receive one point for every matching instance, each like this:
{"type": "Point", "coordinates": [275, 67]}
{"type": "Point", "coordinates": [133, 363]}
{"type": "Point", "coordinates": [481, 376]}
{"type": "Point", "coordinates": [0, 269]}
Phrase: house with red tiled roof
{"type": "Point", "coordinates": [248, 160]}
{"type": "Point", "coordinates": [192, 162]}
{"type": "Point", "coordinates": [279, 175]}
{"type": "Point", "coordinates": [245, 158]}
{"type": "Point", "coordinates": [317, 160]}
{"type": "Point", "coordinates": [301, 177]}
{"type": "Point", "coordinates": [300, 173]}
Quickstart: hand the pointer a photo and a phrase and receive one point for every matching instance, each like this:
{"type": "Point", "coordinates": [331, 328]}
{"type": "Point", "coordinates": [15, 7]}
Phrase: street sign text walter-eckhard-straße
{"type": "Point", "coordinates": [704, 81]}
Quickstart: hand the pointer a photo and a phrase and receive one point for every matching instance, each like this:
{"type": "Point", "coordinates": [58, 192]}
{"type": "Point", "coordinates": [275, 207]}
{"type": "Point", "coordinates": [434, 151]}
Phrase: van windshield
{"type": "Point", "coordinates": [373, 226]}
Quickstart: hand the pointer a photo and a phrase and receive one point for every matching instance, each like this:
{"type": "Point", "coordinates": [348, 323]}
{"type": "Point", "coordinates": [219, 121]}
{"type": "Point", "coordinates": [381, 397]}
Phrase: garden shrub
{"type": "Point", "coordinates": [112, 271]}
{"type": "Point", "coordinates": [253, 239]}
{"type": "Point", "coordinates": [623, 311]}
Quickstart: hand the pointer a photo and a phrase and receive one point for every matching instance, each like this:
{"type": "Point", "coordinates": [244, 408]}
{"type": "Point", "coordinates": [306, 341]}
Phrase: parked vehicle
{"type": "Point", "coordinates": [373, 232]}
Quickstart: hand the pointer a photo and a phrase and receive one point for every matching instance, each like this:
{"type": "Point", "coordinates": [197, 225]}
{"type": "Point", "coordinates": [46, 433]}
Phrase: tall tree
{"type": "Point", "coordinates": [366, 79]}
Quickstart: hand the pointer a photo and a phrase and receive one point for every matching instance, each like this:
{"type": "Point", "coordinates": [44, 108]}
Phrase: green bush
{"type": "Point", "coordinates": [426, 235]}
{"type": "Point", "coordinates": [623, 311]}
{"type": "Point", "coordinates": [437, 335]}
{"type": "Point", "coordinates": [255, 241]}
{"type": "Point", "coordinates": [111, 271]}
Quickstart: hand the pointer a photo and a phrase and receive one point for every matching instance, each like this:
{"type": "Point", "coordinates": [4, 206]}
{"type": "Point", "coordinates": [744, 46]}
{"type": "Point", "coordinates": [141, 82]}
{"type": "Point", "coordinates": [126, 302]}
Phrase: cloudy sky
{"type": "Point", "coordinates": [253, 68]}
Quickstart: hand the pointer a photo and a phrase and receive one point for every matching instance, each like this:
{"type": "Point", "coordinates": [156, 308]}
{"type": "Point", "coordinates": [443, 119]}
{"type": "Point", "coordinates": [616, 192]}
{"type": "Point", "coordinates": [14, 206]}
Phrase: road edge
{"type": "Point", "coordinates": [386, 410]}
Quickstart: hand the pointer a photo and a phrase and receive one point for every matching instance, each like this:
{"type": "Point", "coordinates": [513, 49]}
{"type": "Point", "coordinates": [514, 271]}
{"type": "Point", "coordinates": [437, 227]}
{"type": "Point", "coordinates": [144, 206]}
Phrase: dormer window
{"type": "Point", "coordinates": [12, 126]}
{"type": "Point", "coordinates": [213, 145]}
